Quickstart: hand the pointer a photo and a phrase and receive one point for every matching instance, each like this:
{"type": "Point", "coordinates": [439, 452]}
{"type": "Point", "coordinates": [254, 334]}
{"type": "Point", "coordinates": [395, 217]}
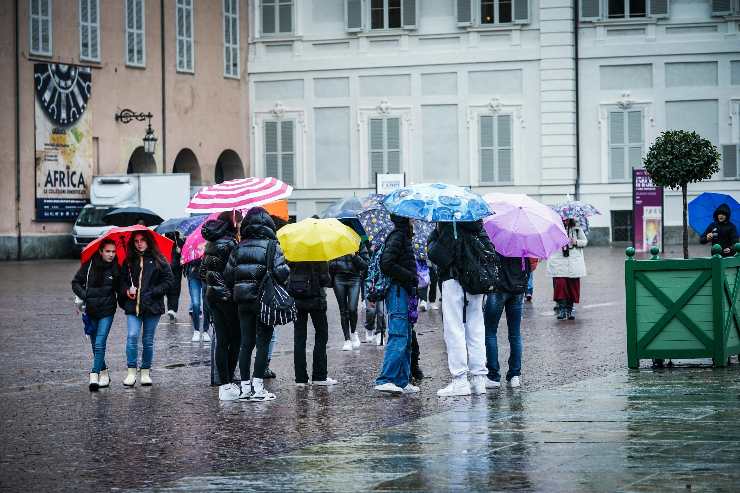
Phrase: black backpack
{"type": "Point", "coordinates": [477, 265]}
{"type": "Point", "coordinates": [300, 284]}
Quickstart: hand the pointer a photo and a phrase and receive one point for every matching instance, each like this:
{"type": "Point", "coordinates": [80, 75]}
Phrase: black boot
{"type": "Point", "coordinates": [416, 372]}
{"type": "Point", "coordinates": [570, 311]}
{"type": "Point", "coordinates": [268, 373]}
{"type": "Point", "coordinates": [562, 313]}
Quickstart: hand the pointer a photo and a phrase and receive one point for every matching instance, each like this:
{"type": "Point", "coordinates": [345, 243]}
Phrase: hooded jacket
{"type": "Point", "coordinates": [444, 248]}
{"type": "Point", "coordinates": [220, 242]}
{"type": "Point", "coordinates": [398, 262]}
{"type": "Point", "coordinates": [99, 297]}
{"type": "Point", "coordinates": [311, 278]}
{"type": "Point", "coordinates": [152, 279]}
{"type": "Point", "coordinates": [574, 264]}
{"type": "Point", "coordinates": [726, 232]}
{"type": "Point", "coordinates": [247, 263]}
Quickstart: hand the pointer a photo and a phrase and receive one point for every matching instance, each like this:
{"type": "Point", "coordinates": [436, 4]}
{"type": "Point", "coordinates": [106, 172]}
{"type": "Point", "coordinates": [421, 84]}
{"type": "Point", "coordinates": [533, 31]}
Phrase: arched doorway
{"type": "Point", "coordinates": [141, 162]}
{"type": "Point", "coordinates": [186, 162]}
{"type": "Point", "coordinates": [228, 167]}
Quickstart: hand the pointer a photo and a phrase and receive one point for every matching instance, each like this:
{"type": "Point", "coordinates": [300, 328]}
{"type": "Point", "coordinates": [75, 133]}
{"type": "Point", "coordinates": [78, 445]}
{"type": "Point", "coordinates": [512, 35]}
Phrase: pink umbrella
{"type": "Point", "coordinates": [238, 194]}
{"type": "Point", "coordinates": [523, 227]}
{"type": "Point", "coordinates": [195, 243]}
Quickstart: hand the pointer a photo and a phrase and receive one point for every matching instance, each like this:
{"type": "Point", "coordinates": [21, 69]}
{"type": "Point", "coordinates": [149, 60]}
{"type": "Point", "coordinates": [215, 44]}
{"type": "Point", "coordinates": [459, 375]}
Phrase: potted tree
{"type": "Point", "coordinates": [680, 157]}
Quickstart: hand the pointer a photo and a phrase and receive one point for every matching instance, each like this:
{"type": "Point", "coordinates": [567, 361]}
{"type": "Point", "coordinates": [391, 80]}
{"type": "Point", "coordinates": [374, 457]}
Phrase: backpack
{"type": "Point", "coordinates": [376, 283]}
{"type": "Point", "coordinates": [300, 284]}
{"type": "Point", "coordinates": [477, 265]}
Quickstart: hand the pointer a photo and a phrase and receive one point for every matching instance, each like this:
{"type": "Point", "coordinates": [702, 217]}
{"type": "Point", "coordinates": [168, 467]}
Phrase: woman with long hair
{"type": "Point", "coordinates": [96, 284]}
{"type": "Point", "coordinates": [145, 279]}
{"type": "Point", "coordinates": [347, 273]}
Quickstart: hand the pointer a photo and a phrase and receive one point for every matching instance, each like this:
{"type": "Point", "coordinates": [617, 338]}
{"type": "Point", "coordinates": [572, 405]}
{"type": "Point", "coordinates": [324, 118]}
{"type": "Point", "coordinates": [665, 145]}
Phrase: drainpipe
{"type": "Point", "coordinates": [164, 89]}
{"type": "Point", "coordinates": [577, 191]}
{"type": "Point", "coordinates": [17, 136]}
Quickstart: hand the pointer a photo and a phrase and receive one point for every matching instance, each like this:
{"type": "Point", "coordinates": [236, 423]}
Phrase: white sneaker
{"type": "Point", "coordinates": [422, 306]}
{"type": "Point", "coordinates": [389, 388]}
{"type": "Point", "coordinates": [347, 346]}
{"type": "Point", "coordinates": [369, 336]}
{"type": "Point", "coordinates": [492, 384]}
{"type": "Point", "coordinates": [379, 339]}
{"type": "Point", "coordinates": [434, 306]}
{"type": "Point", "coordinates": [130, 379]}
{"type": "Point", "coordinates": [246, 390]}
{"type": "Point", "coordinates": [259, 392]}
{"type": "Point", "coordinates": [355, 341]}
{"type": "Point", "coordinates": [410, 389]}
{"type": "Point", "coordinates": [228, 392]}
{"type": "Point", "coordinates": [146, 379]}
{"type": "Point", "coordinates": [104, 380]}
{"type": "Point", "coordinates": [301, 385]}
{"type": "Point", "coordinates": [459, 386]}
{"type": "Point", "coordinates": [325, 383]}
{"type": "Point", "coordinates": [515, 382]}
{"type": "Point", "coordinates": [172, 315]}
{"type": "Point", "coordinates": [94, 382]}
{"type": "Point", "coordinates": [196, 337]}
{"type": "Point", "coordinates": [478, 384]}
{"type": "Point", "coordinates": [205, 337]}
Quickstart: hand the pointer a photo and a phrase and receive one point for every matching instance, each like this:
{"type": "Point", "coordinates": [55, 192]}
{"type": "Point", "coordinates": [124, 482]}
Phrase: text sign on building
{"type": "Point", "coordinates": [386, 183]}
{"type": "Point", "coordinates": [647, 212]}
{"type": "Point", "coordinates": [64, 147]}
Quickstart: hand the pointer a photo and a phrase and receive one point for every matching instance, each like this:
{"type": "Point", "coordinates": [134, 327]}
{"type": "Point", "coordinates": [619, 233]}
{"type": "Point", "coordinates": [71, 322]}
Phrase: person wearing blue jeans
{"type": "Point", "coordinates": [98, 340]}
{"type": "Point", "coordinates": [273, 341]}
{"type": "Point", "coordinates": [196, 289]}
{"type": "Point", "coordinates": [144, 327]}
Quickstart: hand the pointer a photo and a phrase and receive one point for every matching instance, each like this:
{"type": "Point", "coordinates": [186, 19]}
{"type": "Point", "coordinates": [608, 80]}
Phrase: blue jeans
{"type": "Point", "coordinates": [197, 303]}
{"type": "Point", "coordinates": [530, 283]}
{"type": "Point", "coordinates": [98, 340]}
{"type": "Point", "coordinates": [495, 305]}
{"type": "Point", "coordinates": [273, 341]}
{"type": "Point", "coordinates": [149, 323]}
{"type": "Point", "coordinates": [397, 360]}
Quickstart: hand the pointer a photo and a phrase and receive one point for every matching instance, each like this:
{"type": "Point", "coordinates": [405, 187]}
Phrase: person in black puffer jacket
{"type": "Point", "coordinates": [398, 264]}
{"type": "Point", "coordinates": [96, 284]}
{"type": "Point", "coordinates": [347, 273]}
{"type": "Point", "coordinates": [145, 279]}
{"type": "Point", "coordinates": [246, 268]}
{"type": "Point", "coordinates": [306, 285]}
{"type": "Point", "coordinates": [721, 231]}
{"type": "Point", "coordinates": [220, 236]}
{"type": "Point", "coordinates": [173, 295]}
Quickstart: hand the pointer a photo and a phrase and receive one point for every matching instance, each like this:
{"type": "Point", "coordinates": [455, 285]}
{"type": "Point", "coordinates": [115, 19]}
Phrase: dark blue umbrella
{"type": "Point", "coordinates": [129, 216]}
{"type": "Point", "coordinates": [185, 225]}
{"type": "Point", "coordinates": [701, 209]}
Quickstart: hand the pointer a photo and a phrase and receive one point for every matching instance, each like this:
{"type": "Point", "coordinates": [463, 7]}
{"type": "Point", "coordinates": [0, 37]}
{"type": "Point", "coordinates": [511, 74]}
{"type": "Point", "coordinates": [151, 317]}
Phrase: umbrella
{"type": "Point", "coordinates": [343, 207]}
{"type": "Point", "coordinates": [317, 240]}
{"type": "Point", "coordinates": [376, 221]}
{"type": "Point", "coordinates": [128, 216]}
{"type": "Point", "coordinates": [575, 209]}
{"type": "Point", "coordinates": [523, 227]}
{"type": "Point", "coordinates": [701, 209]}
{"type": "Point", "coordinates": [121, 237]}
{"type": "Point", "coordinates": [239, 194]}
{"type": "Point", "coordinates": [437, 202]}
{"type": "Point", "coordinates": [185, 225]}
{"type": "Point", "coordinates": [194, 244]}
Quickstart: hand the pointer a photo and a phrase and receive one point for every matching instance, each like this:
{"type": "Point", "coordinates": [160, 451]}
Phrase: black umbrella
{"type": "Point", "coordinates": [129, 216]}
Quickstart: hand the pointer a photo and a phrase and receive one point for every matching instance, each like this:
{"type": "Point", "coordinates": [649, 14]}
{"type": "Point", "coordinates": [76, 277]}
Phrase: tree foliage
{"type": "Point", "coordinates": [679, 157]}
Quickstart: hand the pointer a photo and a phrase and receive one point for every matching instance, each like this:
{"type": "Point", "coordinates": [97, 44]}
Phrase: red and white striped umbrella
{"type": "Point", "coordinates": [239, 194]}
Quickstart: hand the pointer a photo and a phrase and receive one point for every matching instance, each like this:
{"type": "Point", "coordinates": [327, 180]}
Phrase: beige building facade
{"type": "Point", "coordinates": [183, 61]}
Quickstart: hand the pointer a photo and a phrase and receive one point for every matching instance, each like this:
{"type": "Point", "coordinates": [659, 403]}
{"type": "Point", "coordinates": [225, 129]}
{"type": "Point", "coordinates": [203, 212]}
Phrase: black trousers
{"type": "Point", "coordinates": [173, 295]}
{"type": "Point", "coordinates": [254, 334]}
{"type": "Point", "coordinates": [414, 349]}
{"type": "Point", "coordinates": [321, 325]}
{"type": "Point", "coordinates": [375, 317]}
{"type": "Point", "coordinates": [347, 291]}
{"type": "Point", "coordinates": [228, 339]}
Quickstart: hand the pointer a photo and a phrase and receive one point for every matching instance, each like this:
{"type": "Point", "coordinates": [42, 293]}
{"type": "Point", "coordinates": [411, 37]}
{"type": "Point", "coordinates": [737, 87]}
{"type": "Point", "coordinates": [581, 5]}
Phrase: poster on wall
{"type": "Point", "coordinates": [647, 211]}
{"type": "Point", "coordinates": [64, 146]}
{"type": "Point", "coordinates": [386, 183]}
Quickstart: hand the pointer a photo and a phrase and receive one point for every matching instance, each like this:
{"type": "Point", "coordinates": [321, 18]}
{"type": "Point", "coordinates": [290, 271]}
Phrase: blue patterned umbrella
{"type": "Point", "coordinates": [377, 223]}
{"type": "Point", "coordinates": [185, 225]}
{"type": "Point", "coordinates": [437, 202]}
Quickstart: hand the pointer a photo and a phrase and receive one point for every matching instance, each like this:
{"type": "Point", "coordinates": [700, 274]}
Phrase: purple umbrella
{"type": "Point", "coordinates": [523, 227]}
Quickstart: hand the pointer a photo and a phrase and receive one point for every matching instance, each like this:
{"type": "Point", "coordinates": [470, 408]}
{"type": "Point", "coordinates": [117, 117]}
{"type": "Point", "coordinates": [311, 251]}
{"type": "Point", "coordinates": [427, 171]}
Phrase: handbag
{"type": "Point", "coordinates": [277, 307]}
{"type": "Point", "coordinates": [80, 303]}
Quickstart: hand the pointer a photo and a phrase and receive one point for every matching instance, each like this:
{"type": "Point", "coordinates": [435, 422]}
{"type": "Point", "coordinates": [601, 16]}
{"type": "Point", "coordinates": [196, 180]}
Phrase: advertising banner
{"type": "Point", "coordinates": [647, 212]}
{"type": "Point", "coordinates": [64, 146]}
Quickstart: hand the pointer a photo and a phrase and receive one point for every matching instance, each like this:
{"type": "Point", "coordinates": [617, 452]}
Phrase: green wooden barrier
{"type": "Point", "coordinates": [682, 308]}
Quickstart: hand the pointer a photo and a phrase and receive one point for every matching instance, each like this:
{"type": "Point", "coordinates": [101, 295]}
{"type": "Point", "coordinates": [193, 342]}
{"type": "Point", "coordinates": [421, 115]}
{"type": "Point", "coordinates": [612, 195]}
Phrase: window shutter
{"type": "Point", "coordinates": [45, 27]}
{"type": "Point", "coordinates": [659, 8]}
{"type": "Point", "coordinates": [139, 32]}
{"type": "Point", "coordinates": [353, 16]}
{"type": "Point", "coordinates": [487, 173]}
{"type": "Point", "coordinates": [408, 14]}
{"type": "Point", "coordinates": [285, 17]}
{"type": "Point", "coordinates": [464, 13]}
{"type": "Point", "coordinates": [590, 10]}
{"type": "Point", "coordinates": [393, 145]}
{"type": "Point", "coordinates": [729, 161]}
{"type": "Point", "coordinates": [503, 143]}
{"type": "Point", "coordinates": [521, 11]}
{"type": "Point", "coordinates": [84, 29]}
{"type": "Point", "coordinates": [721, 7]}
{"type": "Point", "coordinates": [634, 138]}
{"type": "Point", "coordinates": [287, 152]}
{"type": "Point", "coordinates": [94, 30]}
{"type": "Point", "coordinates": [271, 149]}
{"type": "Point", "coordinates": [376, 148]}
{"type": "Point", "coordinates": [616, 145]}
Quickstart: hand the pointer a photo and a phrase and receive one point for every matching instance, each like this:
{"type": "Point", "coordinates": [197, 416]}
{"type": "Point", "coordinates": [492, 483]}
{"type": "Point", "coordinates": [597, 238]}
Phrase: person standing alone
{"type": "Point", "coordinates": [721, 231]}
{"type": "Point", "coordinates": [566, 267]}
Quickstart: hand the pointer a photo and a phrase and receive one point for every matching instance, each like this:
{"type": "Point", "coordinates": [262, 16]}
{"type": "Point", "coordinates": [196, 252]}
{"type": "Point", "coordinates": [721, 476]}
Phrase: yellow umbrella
{"type": "Point", "coordinates": [317, 240]}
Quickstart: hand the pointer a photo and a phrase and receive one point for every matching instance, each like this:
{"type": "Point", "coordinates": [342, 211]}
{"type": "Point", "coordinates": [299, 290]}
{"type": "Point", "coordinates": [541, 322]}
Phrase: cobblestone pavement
{"type": "Point", "coordinates": [56, 435]}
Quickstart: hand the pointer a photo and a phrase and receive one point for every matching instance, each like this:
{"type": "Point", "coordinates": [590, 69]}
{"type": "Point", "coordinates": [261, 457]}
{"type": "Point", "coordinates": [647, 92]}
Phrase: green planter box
{"type": "Point", "coordinates": [682, 308]}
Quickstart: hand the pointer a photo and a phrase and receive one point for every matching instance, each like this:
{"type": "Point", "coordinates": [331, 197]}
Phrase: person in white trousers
{"type": "Point", "coordinates": [464, 330]}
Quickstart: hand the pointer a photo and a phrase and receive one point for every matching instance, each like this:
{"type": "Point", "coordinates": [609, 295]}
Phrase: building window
{"type": "Point", "coordinates": [491, 12]}
{"type": "Point", "coordinates": [623, 9]}
{"type": "Point", "coordinates": [385, 146]}
{"type": "Point", "coordinates": [495, 11]}
{"type": "Point", "coordinates": [89, 30]}
{"type": "Point", "coordinates": [625, 143]}
{"type": "Point", "coordinates": [280, 150]}
{"type": "Point", "coordinates": [622, 226]}
{"type": "Point", "coordinates": [40, 28]}
{"type": "Point", "coordinates": [731, 154]}
{"type": "Point", "coordinates": [231, 38]}
{"type": "Point", "coordinates": [135, 40]}
{"type": "Point", "coordinates": [185, 46]}
{"type": "Point", "coordinates": [277, 16]}
{"type": "Point", "coordinates": [385, 14]}
{"type": "Point", "coordinates": [495, 149]}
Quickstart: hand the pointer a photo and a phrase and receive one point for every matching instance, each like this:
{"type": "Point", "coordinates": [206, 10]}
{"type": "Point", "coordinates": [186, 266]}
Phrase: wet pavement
{"type": "Point", "coordinates": [56, 435]}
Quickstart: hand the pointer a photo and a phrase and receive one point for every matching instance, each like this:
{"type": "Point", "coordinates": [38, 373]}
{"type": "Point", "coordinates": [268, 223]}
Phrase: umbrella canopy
{"type": "Point", "coordinates": [317, 240]}
{"type": "Point", "coordinates": [377, 223]}
{"type": "Point", "coordinates": [437, 202]}
{"type": "Point", "coordinates": [701, 209]}
{"type": "Point", "coordinates": [121, 236]}
{"type": "Point", "coordinates": [185, 225]}
{"type": "Point", "coordinates": [523, 227]}
{"type": "Point", "coordinates": [575, 209]}
{"type": "Point", "coordinates": [129, 216]}
{"type": "Point", "coordinates": [194, 244]}
{"type": "Point", "coordinates": [343, 208]}
{"type": "Point", "coordinates": [240, 194]}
